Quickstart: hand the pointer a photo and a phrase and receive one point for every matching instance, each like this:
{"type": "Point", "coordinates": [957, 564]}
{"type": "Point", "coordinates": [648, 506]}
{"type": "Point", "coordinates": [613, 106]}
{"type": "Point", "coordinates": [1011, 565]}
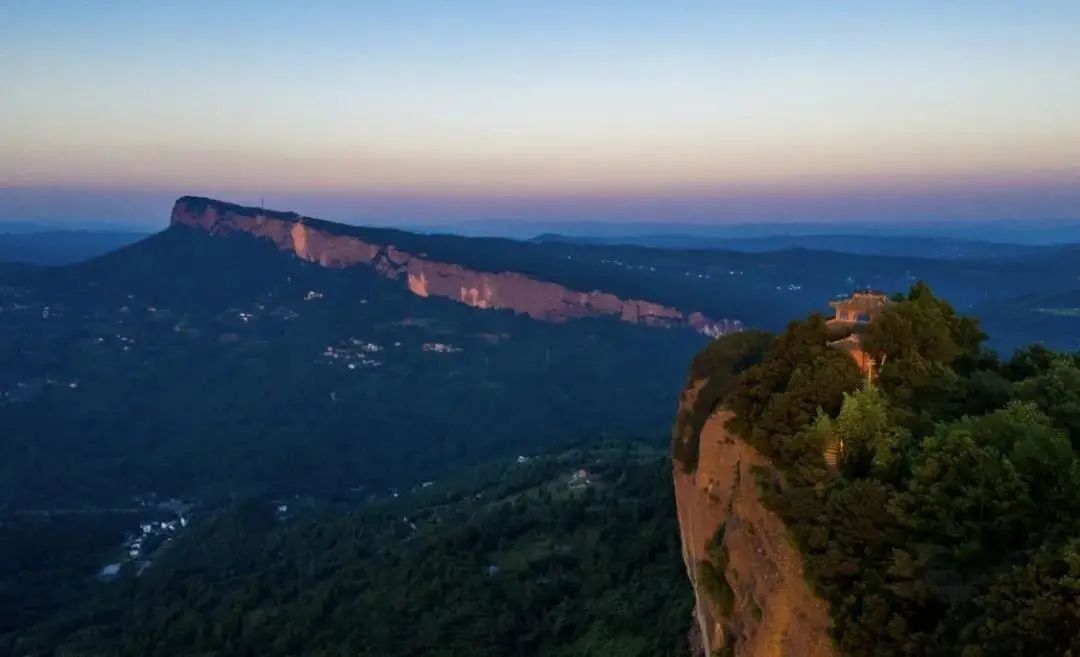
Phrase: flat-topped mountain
{"type": "Point", "coordinates": [338, 246]}
{"type": "Point", "coordinates": [1022, 295]}
{"type": "Point", "coordinates": [243, 341]}
{"type": "Point", "coordinates": [245, 351]}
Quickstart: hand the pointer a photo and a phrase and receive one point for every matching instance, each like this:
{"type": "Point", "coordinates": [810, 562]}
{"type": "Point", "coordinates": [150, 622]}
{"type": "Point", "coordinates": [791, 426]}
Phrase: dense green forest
{"type": "Point", "coordinates": [193, 366]}
{"type": "Point", "coordinates": [950, 524]}
{"type": "Point", "coordinates": [526, 559]}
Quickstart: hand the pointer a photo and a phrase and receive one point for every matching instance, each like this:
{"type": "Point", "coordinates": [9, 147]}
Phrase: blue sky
{"type": "Point", "coordinates": [412, 111]}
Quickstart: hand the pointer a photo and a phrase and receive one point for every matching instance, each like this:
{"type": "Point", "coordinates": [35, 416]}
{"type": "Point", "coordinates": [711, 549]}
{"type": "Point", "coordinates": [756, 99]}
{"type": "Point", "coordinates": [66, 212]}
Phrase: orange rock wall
{"type": "Point", "coordinates": [775, 613]}
{"type": "Point", "coordinates": [505, 290]}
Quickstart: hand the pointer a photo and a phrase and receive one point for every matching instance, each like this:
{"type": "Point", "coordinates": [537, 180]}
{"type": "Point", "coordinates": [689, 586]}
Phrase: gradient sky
{"type": "Point", "coordinates": [431, 111]}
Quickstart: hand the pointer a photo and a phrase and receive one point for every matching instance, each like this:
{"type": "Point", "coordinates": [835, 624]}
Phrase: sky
{"type": "Point", "coordinates": [435, 112]}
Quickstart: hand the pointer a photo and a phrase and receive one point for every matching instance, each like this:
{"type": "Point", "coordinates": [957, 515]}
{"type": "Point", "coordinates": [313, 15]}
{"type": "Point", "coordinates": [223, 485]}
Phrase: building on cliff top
{"type": "Point", "coordinates": [855, 313]}
{"type": "Point", "coordinates": [859, 308]}
{"type": "Point", "coordinates": [853, 316]}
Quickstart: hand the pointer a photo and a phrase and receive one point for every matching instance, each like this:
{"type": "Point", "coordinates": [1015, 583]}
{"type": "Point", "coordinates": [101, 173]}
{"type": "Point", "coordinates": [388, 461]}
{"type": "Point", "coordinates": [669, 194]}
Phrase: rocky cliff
{"type": "Point", "coordinates": [331, 245]}
{"type": "Point", "coordinates": [751, 597]}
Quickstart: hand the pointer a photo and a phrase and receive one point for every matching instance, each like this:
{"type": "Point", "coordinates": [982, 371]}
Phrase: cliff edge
{"type": "Point", "coordinates": [751, 596]}
{"type": "Point", "coordinates": [337, 245]}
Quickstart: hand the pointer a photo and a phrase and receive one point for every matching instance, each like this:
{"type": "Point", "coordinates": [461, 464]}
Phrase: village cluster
{"type": "Point", "coordinates": [688, 274]}
{"type": "Point", "coordinates": [137, 544]}
{"type": "Point", "coordinates": [441, 348]}
{"type": "Point", "coordinates": [624, 265]}
{"type": "Point", "coordinates": [140, 545]}
{"type": "Point", "coordinates": [354, 353]}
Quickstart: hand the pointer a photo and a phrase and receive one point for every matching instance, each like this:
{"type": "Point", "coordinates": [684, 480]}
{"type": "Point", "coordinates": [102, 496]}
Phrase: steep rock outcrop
{"type": "Point", "coordinates": [319, 242]}
{"type": "Point", "coordinates": [771, 610]}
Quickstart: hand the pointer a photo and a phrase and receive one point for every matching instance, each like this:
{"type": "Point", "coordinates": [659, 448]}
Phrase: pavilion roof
{"type": "Point", "coordinates": [862, 302]}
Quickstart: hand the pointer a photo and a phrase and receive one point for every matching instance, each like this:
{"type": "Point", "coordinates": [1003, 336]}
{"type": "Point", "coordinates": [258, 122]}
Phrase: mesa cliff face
{"type": "Point", "coordinates": [330, 245]}
{"type": "Point", "coordinates": [767, 609]}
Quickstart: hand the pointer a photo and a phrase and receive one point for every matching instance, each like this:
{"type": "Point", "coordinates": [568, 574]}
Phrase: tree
{"type": "Point", "coordinates": [1056, 390]}
{"type": "Point", "coordinates": [925, 347]}
{"type": "Point", "coordinates": [1030, 609]}
{"type": "Point", "coordinates": [967, 495]}
{"type": "Point", "coordinates": [800, 375]}
{"type": "Point", "coordinates": [872, 444]}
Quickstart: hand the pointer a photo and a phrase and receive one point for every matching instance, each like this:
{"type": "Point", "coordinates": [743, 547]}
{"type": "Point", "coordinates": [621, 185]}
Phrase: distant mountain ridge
{"type": "Point", "coordinates": [944, 248]}
{"type": "Point", "coordinates": [1030, 232]}
{"type": "Point", "coordinates": [60, 246]}
{"type": "Point", "coordinates": [338, 245]}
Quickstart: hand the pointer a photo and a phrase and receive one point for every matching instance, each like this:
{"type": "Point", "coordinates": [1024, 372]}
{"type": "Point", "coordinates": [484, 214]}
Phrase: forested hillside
{"type": "Point", "coordinates": [200, 363]}
{"type": "Point", "coordinates": [205, 367]}
{"type": "Point", "coordinates": [572, 553]}
{"type": "Point", "coordinates": [948, 522]}
{"type": "Point", "coordinates": [215, 366]}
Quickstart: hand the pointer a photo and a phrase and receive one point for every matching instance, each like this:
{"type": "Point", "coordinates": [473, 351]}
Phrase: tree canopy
{"type": "Point", "coordinates": [950, 522]}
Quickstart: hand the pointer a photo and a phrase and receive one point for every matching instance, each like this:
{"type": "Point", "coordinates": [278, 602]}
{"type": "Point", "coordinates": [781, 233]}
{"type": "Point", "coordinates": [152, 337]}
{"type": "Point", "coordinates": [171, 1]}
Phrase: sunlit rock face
{"type": "Point", "coordinates": [538, 299]}
{"type": "Point", "coordinates": [772, 610]}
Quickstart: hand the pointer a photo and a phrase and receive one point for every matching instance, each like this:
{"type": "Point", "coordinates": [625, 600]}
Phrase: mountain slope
{"type": "Point", "coordinates": [337, 246]}
{"type": "Point", "coordinates": [216, 365]}
{"type": "Point", "coordinates": [216, 356]}
{"type": "Point", "coordinates": [759, 290]}
{"type": "Point", "coordinates": [506, 559]}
